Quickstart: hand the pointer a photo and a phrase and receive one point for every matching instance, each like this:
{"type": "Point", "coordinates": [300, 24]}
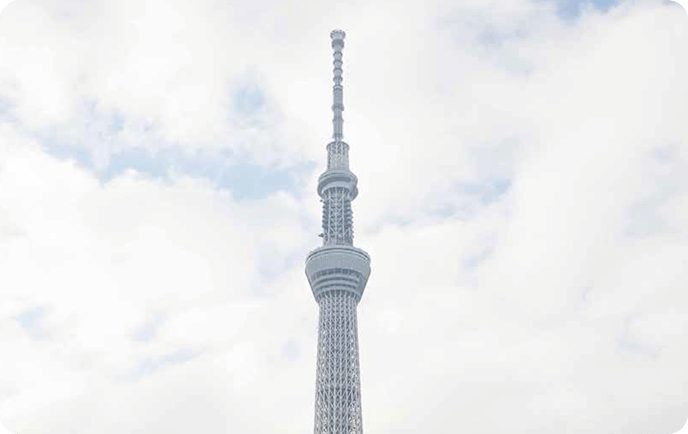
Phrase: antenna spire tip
{"type": "Point", "coordinates": [337, 36]}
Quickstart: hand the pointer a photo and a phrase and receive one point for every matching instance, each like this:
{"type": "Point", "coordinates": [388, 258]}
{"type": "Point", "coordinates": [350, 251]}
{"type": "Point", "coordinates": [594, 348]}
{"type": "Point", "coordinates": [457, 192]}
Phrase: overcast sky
{"type": "Point", "coordinates": [523, 173]}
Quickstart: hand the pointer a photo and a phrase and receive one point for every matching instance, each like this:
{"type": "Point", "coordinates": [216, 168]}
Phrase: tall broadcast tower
{"type": "Point", "coordinates": [338, 273]}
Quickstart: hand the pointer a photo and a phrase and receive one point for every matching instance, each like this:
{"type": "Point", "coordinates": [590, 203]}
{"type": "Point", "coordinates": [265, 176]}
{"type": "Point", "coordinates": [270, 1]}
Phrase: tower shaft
{"type": "Point", "coordinates": [338, 273]}
{"type": "Point", "coordinates": [338, 387]}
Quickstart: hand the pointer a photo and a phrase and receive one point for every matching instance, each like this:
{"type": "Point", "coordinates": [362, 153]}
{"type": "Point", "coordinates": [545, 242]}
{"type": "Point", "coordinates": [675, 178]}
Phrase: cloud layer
{"type": "Point", "coordinates": [523, 182]}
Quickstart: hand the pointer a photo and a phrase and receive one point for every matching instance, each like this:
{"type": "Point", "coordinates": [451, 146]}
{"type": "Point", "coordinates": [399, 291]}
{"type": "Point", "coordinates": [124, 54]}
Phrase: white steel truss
{"type": "Point", "coordinates": [338, 221]}
{"type": "Point", "coordinates": [337, 155]}
{"type": "Point", "coordinates": [338, 387]}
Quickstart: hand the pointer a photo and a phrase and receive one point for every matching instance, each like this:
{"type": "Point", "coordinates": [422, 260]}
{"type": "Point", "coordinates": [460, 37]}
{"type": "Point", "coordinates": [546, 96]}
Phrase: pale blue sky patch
{"type": "Point", "coordinates": [468, 197]}
{"type": "Point", "coordinates": [149, 330]}
{"type": "Point", "coordinates": [463, 201]}
{"type": "Point", "coordinates": [248, 98]}
{"type": "Point", "coordinates": [468, 23]}
{"type": "Point", "coordinates": [645, 219]}
{"type": "Point", "coordinates": [473, 260]}
{"type": "Point", "coordinates": [116, 123]}
{"type": "Point", "coordinates": [571, 9]}
{"type": "Point", "coordinates": [251, 181]}
{"type": "Point", "coordinates": [645, 213]}
{"type": "Point", "coordinates": [31, 321]}
{"type": "Point", "coordinates": [92, 129]}
{"type": "Point", "coordinates": [234, 168]}
{"type": "Point", "coordinates": [665, 154]}
{"type": "Point", "coordinates": [249, 105]}
{"type": "Point", "coordinates": [64, 151]}
{"type": "Point", "coordinates": [225, 168]}
{"type": "Point", "coordinates": [487, 191]}
{"type": "Point", "coordinates": [626, 343]}
{"type": "Point", "coordinates": [150, 366]}
{"type": "Point", "coordinates": [246, 180]}
{"type": "Point", "coordinates": [138, 159]}
{"type": "Point", "coordinates": [5, 106]}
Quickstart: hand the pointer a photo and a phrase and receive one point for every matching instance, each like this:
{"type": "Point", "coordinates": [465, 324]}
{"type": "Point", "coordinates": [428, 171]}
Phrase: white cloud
{"type": "Point", "coordinates": [522, 197]}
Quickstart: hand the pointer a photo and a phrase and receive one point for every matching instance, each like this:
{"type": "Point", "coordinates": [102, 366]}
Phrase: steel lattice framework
{"type": "Point", "coordinates": [338, 273]}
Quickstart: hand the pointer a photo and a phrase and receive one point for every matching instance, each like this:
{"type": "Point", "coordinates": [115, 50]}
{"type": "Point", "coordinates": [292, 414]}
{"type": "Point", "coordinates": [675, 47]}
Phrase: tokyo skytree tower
{"type": "Point", "coordinates": [337, 273]}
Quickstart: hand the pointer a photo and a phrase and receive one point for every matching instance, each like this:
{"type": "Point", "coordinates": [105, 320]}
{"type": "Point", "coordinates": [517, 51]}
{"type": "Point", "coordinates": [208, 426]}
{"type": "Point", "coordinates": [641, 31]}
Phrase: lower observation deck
{"type": "Point", "coordinates": [338, 268]}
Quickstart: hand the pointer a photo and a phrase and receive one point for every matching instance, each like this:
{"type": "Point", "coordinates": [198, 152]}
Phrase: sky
{"type": "Point", "coordinates": [522, 171]}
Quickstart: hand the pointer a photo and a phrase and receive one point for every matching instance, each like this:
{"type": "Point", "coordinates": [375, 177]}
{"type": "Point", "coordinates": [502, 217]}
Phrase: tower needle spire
{"type": "Point", "coordinates": [337, 37]}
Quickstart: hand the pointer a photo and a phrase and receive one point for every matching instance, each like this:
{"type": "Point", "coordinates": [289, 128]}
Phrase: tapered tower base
{"type": "Point", "coordinates": [338, 385]}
